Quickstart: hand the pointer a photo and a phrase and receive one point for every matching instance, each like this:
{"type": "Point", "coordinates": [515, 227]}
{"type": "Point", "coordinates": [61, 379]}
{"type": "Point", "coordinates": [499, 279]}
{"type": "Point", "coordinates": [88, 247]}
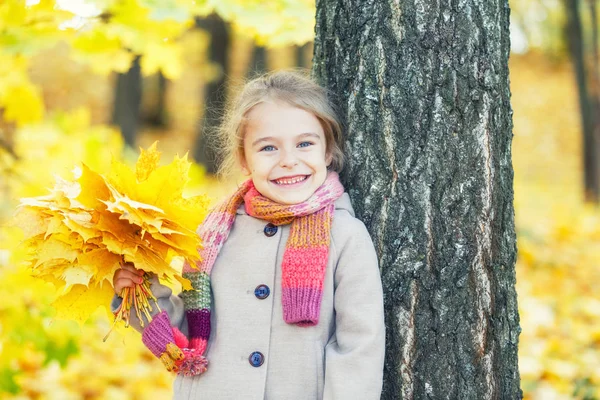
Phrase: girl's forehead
{"type": "Point", "coordinates": [278, 112]}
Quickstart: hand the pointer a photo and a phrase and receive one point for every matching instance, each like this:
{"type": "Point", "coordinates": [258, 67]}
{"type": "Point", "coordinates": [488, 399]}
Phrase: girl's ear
{"type": "Point", "coordinates": [328, 159]}
{"type": "Point", "coordinates": [245, 170]}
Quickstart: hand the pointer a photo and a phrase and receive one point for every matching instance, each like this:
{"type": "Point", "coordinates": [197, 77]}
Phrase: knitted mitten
{"type": "Point", "coordinates": [158, 338]}
{"type": "Point", "coordinates": [171, 347]}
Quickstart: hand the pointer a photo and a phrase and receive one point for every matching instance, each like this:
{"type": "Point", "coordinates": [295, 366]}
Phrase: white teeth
{"type": "Point", "coordinates": [290, 181]}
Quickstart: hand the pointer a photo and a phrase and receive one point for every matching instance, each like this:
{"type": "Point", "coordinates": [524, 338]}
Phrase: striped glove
{"type": "Point", "coordinates": [171, 346]}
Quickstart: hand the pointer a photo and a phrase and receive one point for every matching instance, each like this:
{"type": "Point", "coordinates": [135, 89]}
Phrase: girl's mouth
{"type": "Point", "coordinates": [291, 180]}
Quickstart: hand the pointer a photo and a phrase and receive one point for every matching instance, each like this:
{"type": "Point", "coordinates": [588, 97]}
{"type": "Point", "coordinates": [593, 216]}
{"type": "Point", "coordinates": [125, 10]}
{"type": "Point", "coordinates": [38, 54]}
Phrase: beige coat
{"type": "Point", "coordinates": [341, 358]}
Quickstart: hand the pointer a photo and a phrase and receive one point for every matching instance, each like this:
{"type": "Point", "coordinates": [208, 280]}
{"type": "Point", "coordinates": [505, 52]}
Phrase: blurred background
{"type": "Point", "coordinates": [94, 80]}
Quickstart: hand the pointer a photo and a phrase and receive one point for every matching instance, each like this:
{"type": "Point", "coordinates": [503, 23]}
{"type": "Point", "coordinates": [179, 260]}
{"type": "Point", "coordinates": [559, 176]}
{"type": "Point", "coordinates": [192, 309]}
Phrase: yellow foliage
{"type": "Point", "coordinates": [54, 147]}
{"type": "Point", "coordinates": [42, 356]}
{"type": "Point", "coordinates": [25, 30]}
{"type": "Point", "coordinates": [172, 180]}
{"type": "Point", "coordinates": [131, 26]}
{"type": "Point", "coordinates": [272, 23]}
{"type": "Point", "coordinates": [165, 58]}
{"type": "Point", "coordinates": [82, 300]}
{"type": "Point", "coordinates": [18, 96]}
{"type": "Point", "coordinates": [103, 53]}
{"type": "Point", "coordinates": [123, 30]}
{"type": "Point", "coordinates": [22, 104]}
{"type": "Point", "coordinates": [77, 235]}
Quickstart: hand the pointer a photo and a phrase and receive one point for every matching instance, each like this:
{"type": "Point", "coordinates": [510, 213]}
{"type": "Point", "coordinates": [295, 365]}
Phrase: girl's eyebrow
{"type": "Point", "coordinates": [271, 138]}
{"type": "Point", "coordinates": [310, 134]}
{"type": "Point", "coordinates": [263, 139]}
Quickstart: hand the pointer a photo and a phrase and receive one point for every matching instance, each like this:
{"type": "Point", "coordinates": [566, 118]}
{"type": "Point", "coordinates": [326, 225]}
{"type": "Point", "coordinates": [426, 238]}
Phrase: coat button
{"type": "Point", "coordinates": [262, 292]}
{"type": "Point", "coordinates": [256, 359]}
{"type": "Point", "coordinates": [270, 229]}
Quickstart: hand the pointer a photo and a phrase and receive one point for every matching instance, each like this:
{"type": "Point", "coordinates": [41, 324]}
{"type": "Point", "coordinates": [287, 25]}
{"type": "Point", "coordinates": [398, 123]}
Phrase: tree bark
{"type": "Point", "coordinates": [205, 151]}
{"type": "Point", "coordinates": [128, 99]}
{"type": "Point", "coordinates": [423, 90]}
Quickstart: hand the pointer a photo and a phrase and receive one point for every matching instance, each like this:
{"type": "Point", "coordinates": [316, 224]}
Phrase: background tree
{"type": "Point", "coordinates": [156, 114]}
{"type": "Point", "coordinates": [585, 67]}
{"type": "Point", "coordinates": [205, 151]}
{"type": "Point", "coordinates": [302, 58]}
{"type": "Point", "coordinates": [128, 99]}
{"type": "Point", "coordinates": [258, 63]}
{"type": "Point", "coordinates": [424, 92]}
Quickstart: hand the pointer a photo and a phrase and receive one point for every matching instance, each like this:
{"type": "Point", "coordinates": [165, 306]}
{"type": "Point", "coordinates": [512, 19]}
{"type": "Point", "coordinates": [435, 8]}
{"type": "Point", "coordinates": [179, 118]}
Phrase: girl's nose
{"type": "Point", "coordinates": [288, 159]}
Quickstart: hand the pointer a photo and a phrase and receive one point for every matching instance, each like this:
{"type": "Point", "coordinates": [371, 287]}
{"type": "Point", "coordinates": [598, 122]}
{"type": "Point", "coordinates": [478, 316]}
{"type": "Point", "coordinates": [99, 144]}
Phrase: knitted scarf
{"type": "Point", "coordinates": [303, 269]}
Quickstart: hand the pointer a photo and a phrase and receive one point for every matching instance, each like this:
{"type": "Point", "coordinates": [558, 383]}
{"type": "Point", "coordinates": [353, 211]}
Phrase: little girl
{"type": "Point", "coordinates": [287, 300]}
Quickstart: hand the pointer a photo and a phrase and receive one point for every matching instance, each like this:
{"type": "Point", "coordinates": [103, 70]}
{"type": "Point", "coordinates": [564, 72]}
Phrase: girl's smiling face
{"type": "Point", "coordinates": [285, 152]}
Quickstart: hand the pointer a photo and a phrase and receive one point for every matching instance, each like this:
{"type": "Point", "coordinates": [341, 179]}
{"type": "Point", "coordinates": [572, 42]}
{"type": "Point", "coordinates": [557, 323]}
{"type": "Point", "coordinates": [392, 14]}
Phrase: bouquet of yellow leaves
{"type": "Point", "coordinates": [78, 236]}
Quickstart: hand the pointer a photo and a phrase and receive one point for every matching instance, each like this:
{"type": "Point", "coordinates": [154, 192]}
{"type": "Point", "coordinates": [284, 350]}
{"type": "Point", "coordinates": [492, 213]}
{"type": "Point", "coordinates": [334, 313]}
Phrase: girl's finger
{"type": "Point", "coordinates": [129, 267]}
{"type": "Point", "coordinates": [122, 283]}
{"type": "Point", "coordinates": [133, 276]}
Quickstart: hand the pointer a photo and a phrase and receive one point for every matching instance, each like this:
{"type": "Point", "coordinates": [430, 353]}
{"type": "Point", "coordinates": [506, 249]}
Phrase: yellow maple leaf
{"type": "Point", "coordinates": [185, 283]}
{"type": "Point", "coordinates": [77, 275]}
{"type": "Point", "coordinates": [122, 178]}
{"type": "Point", "coordinates": [170, 178]}
{"type": "Point", "coordinates": [147, 162]}
{"type": "Point", "coordinates": [30, 221]}
{"type": "Point", "coordinates": [53, 248]}
{"type": "Point", "coordinates": [106, 263]}
{"type": "Point", "coordinates": [85, 232]}
{"type": "Point", "coordinates": [93, 188]}
{"type": "Point", "coordinates": [191, 211]}
{"type": "Point", "coordinates": [81, 301]}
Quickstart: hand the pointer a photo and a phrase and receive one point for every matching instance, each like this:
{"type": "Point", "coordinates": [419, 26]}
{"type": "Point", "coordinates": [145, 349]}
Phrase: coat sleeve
{"type": "Point", "coordinates": [168, 302]}
{"type": "Point", "coordinates": [354, 355]}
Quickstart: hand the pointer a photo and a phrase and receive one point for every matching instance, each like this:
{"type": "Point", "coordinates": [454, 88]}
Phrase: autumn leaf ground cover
{"type": "Point", "coordinates": [558, 267]}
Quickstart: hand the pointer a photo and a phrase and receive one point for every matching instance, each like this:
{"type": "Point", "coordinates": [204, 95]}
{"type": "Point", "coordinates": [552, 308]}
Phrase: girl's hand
{"type": "Point", "coordinates": [127, 276]}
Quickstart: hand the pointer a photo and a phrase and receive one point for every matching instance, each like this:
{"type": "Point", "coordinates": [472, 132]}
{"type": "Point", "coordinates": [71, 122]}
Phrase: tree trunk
{"type": "Point", "coordinates": [423, 89]}
{"type": "Point", "coordinates": [302, 59]}
{"type": "Point", "coordinates": [591, 145]}
{"type": "Point", "coordinates": [594, 26]}
{"type": "Point", "coordinates": [595, 91]}
{"type": "Point", "coordinates": [128, 98]}
{"type": "Point", "coordinates": [258, 64]}
{"type": "Point", "coordinates": [205, 151]}
{"type": "Point", "coordinates": [157, 115]}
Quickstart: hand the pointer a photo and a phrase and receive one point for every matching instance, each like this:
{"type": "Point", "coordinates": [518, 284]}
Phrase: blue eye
{"type": "Point", "coordinates": [268, 148]}
{"type": "Point", "coordinates": [305, 144]}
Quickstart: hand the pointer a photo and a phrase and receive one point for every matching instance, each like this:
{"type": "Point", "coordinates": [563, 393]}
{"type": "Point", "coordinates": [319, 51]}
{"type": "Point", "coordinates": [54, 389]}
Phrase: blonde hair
{"type": "Point", "coordinates": [296, 89]}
